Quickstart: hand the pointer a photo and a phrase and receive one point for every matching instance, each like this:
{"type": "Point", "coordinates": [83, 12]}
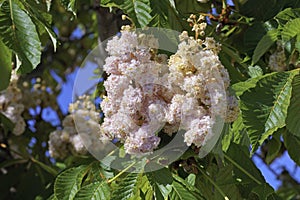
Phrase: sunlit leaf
{"type": "Point", "coordinates": [264, 107]}
{"type": "Point", "coordinates": [18, 32]}
{"type": "Point", "coordinates": [96, 190]}
{"type": "Point", "coordinates": [68, 183]}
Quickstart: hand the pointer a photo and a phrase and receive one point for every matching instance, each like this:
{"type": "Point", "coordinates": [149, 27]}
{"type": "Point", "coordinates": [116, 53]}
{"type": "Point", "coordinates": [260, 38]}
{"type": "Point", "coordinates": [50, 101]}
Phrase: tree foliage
{"type": "Point", "coordinates": [46, 41]}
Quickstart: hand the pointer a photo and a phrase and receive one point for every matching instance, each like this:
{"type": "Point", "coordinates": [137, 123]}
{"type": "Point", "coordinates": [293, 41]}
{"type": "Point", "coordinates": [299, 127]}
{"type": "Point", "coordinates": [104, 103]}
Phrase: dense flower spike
{"type": "Point", "coordinates": [11, 105]}
{"type": "Point", "coordinates": [145, 94]}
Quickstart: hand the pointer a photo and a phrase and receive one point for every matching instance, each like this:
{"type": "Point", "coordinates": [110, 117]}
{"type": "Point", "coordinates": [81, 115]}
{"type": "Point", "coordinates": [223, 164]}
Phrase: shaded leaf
{"type": "Point", "coordinates": [263, 191]}
{"type": "Point", "coordinates": [273, 146]}
{"type": "Point", "coordinates": [161, 181]}
{"type": "Point", "coordinates": [264, 44]}
{"type": "Point", "coordinates": [179, 192]}
{"type": "Point", "coordinates": [292, 144]}
{"type": "Point", "coordinates": [244, 168]}
{"type": "Point", "coordinates": [293, 121]}
{"type": "Point", "coordinates": [5, 67]}
{"type": "Point", "coordinates": [70, 5]}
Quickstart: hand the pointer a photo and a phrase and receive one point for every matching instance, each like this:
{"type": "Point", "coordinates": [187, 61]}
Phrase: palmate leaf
{"type": "Point", "coordinates": [18, 32]}
{"type": "Point", "coordinates": [264, 107]}
{"type": "Point", "coordinates": [5, 67]}
{"type": "Point", "coordinates": [68, 183]}
{"type": "Point", "coordinates": [293, 120]}
{"type": "Point", "coordinates": [94, 191]}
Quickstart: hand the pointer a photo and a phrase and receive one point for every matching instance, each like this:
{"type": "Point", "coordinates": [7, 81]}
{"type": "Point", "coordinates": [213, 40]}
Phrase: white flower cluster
{"type": "Point", "coordinates": [11, 104]}
{"type": "Point", "coordinates": [79, 129]}
{"type": "Point", "coordinates": [145, 94]}
{"type": "Point", "coordinates": [277, 61]}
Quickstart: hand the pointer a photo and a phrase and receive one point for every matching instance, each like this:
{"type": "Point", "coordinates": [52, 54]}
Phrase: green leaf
{"type": "Point", "coordinates": [68, 183]}
{"type": "Point", "coordinates": [18, 32]}
{"type": "Point", "coordinates": [264, 108]}
{"type": "Point", "coordinates": [291, 29]}
{"type": "Point", "coordinates": [179, 192]}
{"type": "Point", "coordinates": [5, 67]}
{"type": "Point", "coordinates": [255, 71]}
{"type": "Point", "coordinates": [127, 188]}
{"type": "Point", "coordinates": [96, 190]}
{"type": "Point", "coordinates": [70, 5]}
{"type": "Point", "coordinates": [273, 146]}
{"type": "Point", "coordinates": [47, 168]}
{"type": "Point", "coordinates": [293, 121]}
{"type": "Point", "coordinates": [237, 134]}
{"type": "Point", "coordinates": [292, 144]}
{"type": "Point", "coordinates": [138, 10]}
{"type": "Point", "coordinates": [161, 181]}
{"type": "Point", "coordinates": [42, 20]}
{"type": "Point", "coordinates": [146, 188]}
{"type": "Point", "coordinates": [263, 191]}
{"type": "Point", "coordinates": [52, 197]}
{"type": "Point", "coordinates": [244, 168]}
{"type": "Point", "coordinates": [264, 44]}
{"type": "Point", "coordinates": [288, 14]}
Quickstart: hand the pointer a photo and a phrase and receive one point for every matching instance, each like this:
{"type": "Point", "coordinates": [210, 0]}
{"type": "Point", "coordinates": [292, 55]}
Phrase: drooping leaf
{"type": "Point", "coordinates": [68, 183]}
{"type": "Point", "coordinates": [292, 144]}
{"type": "Point", "coordinates": [264, 44]}
{"type": "Point", "coordinates": [41, 19]}
{"type": "Point", "coordinates": [96, 190]}
{"type": "Point", "coordinates": [292, 121]}
{"type": "Point", "coordinates": [18, 32]}
{"type": "Point", "coordinates": [6, 65]}
{"type": "Point", "coordinates": [264, 108]}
